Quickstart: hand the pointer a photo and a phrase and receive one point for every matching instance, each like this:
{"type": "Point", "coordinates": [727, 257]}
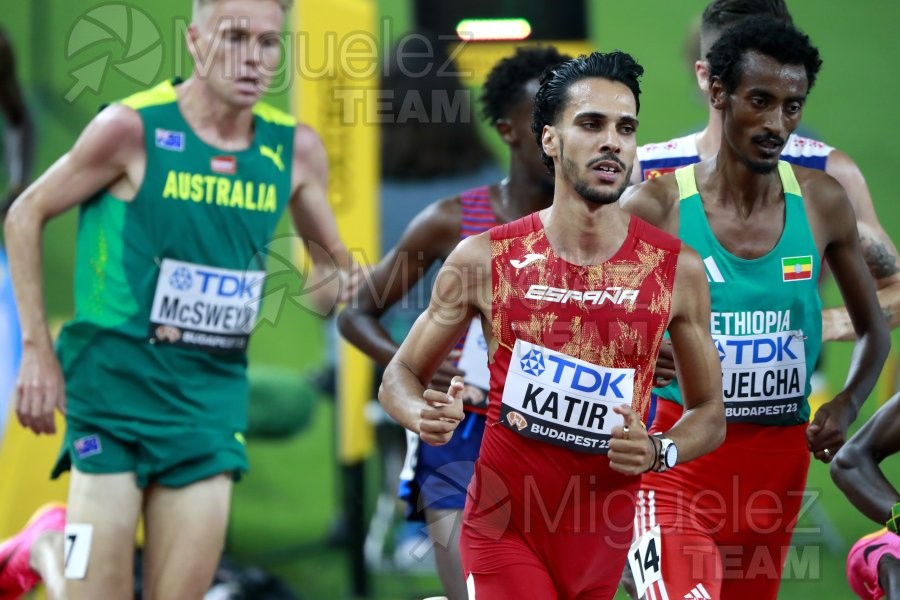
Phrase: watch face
{"type": "Point", "coordinates": [671, 456]}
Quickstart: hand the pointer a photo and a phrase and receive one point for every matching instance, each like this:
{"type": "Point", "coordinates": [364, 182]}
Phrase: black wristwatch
{"type": "Point", "coordinates": [668, 454]}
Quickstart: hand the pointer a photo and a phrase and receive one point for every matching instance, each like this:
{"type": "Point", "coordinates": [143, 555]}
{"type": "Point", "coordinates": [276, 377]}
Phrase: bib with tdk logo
{"type": "Point", "coordinates": [575, 341]}
{"type": "Point", "coordinates": [766, 318]}
{"type": "Point", "coordinates": [168, 285]}
{"type": "Point", "coordinates": [556, 398]}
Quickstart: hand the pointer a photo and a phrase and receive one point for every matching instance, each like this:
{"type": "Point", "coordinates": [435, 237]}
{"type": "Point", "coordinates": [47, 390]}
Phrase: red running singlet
{"type": "Point", "coordinates": [545, 516]}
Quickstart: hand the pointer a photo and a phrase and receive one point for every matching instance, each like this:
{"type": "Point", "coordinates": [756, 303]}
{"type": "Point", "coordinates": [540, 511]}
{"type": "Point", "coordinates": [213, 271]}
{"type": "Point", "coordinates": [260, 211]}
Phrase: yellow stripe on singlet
{"type": "Point", "coordinates": [269, 113]}
{"type": "Point", "coordinates": [687, 183]}
{"type": "Point", "coordinates": [164, 93]}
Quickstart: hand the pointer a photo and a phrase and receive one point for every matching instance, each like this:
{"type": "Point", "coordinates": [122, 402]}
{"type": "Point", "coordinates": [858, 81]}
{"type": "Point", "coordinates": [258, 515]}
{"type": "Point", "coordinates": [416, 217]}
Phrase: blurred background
{"type": "Point", "coordinates": [302, 511]}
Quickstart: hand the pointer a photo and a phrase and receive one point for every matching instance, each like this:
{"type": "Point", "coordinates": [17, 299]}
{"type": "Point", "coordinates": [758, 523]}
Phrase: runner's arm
{"type": "Point", "coordinates": [842, 252]}
{"type": "Point", "coordinates": [424, 242]}
{"type": "Point", "coordinates": [855, 468]}
{"type": "Point", "coordinates": [333, 274]}
{"type": "Point", "coordinates": [461, 291]}
{"type": "Point", "coordinates": [99, 157]}
{"type": "Point", "coordinates": [636, 173]}
{"type": "Point", "coordinates": [701, 429]}
{"type": "Point", "coordinates": [655, 201]}
{"type": "Point", "coordinates": [878, 250]}
{"type": "Point", "coordinates": [112, 142]}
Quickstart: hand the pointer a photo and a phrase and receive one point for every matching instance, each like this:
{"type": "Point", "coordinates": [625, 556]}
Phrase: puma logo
{"type": "Point", "coordinates": [273, 155]}
{"type": "Point", "coordinates": [529, 258]}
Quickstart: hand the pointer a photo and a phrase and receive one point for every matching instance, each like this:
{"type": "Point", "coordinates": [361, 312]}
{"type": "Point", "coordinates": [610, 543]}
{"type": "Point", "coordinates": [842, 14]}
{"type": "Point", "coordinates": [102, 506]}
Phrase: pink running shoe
{"type": "Point", "coordinates": [862, 562]}
{"type": "Point", "coordinates": [16, 575]}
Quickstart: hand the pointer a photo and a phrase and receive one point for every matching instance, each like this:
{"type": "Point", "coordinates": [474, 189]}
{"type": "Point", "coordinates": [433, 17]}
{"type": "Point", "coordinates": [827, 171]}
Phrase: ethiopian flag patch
{"type": "Point", "coordinates": [796, 267]}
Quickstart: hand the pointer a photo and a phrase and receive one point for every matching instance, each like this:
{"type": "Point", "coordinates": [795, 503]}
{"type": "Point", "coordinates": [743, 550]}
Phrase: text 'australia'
{"type": "Point", "coordinates": [221, 191]}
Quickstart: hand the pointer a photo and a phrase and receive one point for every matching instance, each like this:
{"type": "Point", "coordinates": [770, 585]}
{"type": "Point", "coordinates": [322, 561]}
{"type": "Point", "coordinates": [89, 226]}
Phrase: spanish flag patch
{"type": "Point", "coordinates": [796, 267]}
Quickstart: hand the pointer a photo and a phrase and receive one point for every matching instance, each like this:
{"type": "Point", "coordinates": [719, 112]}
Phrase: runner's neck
{"type": "Point", "coordinates": [709, 140]}
{"type": "Point", "coordinates": [212, 120]}
{"type": "Point", "coordinates": [584, 234]}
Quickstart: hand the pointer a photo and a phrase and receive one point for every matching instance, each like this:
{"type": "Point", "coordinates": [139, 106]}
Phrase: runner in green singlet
{"type": "Point", "coordinates": [180, 188]}
{"type": "Point", "coordinates": [764, 229]}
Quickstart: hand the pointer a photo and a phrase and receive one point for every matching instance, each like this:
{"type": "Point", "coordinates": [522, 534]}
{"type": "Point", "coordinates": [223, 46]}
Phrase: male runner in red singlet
{"type": "Point", "coordinates": [574, 301]}
{"type": "Point", "coordinates": [434, 479]}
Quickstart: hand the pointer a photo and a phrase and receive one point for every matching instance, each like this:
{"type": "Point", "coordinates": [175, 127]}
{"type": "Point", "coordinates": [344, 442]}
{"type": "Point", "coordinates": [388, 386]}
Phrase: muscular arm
{"type": "Point", "coordinates": [655, 201]}
{"type": "Point", "coordinates": [427, 239]}
{"type": "Point", "coordinates": [314, 222]}
{"type": "Point", "coordinates": [878, 250]}
{"type": "Point", "coordinates": [701, 429]}
{"type": "Point", "coordinates": [855, 468]}
{"type": "Point", "coordinates": [101, 155]}
{"type": "Point", "coordinates": [105, 152]}
{"type": "Point", "coordinates": [461, 291]}
{"type": "Point", "coordinates": [842, 252]}
{"type": "Point", "coordinates": [19, 135]}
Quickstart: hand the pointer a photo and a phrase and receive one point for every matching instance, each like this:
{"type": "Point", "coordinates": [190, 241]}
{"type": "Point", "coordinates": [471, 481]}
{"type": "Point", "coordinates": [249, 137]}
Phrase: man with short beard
{"type": "Point", "coordinates": [573, 301]}
{"type": "Point", "coordinates": [664, 157]}
{"type": "Point", "coordinates": [434, 479]}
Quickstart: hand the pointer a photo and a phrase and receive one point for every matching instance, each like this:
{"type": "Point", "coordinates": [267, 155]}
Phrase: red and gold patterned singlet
{"type": "Point", "coordinates": [574, 341]}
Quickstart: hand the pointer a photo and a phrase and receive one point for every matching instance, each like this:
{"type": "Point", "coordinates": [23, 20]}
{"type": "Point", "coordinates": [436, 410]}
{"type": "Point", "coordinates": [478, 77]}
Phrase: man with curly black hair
{"type": "Point", "coordinates": [664, 157]}
{"type": "Point", "coordinates": [434, 479]}
{"type": "Point", "coordinates": [721, 527]}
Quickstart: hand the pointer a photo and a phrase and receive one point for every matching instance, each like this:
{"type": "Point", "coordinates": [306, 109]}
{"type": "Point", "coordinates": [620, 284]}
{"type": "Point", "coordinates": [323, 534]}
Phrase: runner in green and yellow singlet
{"type": "Point", "coordinates": [180, 188]}
{"type": "Point", "coordinates": [763, 228]}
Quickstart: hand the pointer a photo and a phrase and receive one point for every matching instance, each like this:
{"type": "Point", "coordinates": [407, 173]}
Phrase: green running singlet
{"type": "Point", "coordinates": [766, 312]}
{"type": "Point", "coordinates": [167, 289]}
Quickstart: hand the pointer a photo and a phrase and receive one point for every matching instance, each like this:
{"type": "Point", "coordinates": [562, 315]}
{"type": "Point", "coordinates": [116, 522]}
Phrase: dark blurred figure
{"type": "Point", "coordinates": [429, 128]}
{"type": "Point", "coordinates": [19, 152]}
{"type": "Point", "coordinates": [19, 130]}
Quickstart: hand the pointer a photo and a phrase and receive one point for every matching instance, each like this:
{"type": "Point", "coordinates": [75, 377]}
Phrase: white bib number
{"type": "Point", "coordinates": [645, 560]}
{"type": "Point", "coordinates": [562, 400]}
{"type": "Point", "coordinates": [763, 375]}
{"type": "Point", "coordinates": [206, 307]}
{"type": "Point", "coordinates": [408, 472]}
{"type": "Point", "coordinates": [77, 549]}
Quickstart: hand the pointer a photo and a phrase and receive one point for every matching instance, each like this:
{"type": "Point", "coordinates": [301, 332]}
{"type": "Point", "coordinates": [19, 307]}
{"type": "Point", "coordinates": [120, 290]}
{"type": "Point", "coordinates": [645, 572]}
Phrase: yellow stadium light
{"type": "Point", "coordinates": [493, 29]}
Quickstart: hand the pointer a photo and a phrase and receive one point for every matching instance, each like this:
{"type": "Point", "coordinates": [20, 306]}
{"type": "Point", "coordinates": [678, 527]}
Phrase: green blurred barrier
{"type": "Point", "coordinates": [282, 402]}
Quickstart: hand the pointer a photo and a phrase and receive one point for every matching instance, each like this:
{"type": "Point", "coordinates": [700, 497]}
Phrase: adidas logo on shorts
{"type": "Point", "coordinates": [698, 593]}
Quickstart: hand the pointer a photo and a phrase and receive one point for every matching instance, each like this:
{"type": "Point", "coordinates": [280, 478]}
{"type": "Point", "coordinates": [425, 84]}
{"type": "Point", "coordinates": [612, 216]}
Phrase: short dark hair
{"type": "Point", "coordinates": [505, 84]}
{"type": "Point", "coordinates": [777, 39]}
{"type": "Point", "coordinates": [552, 96]}
{"type": "Point", "coordinates": [720, 15]}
